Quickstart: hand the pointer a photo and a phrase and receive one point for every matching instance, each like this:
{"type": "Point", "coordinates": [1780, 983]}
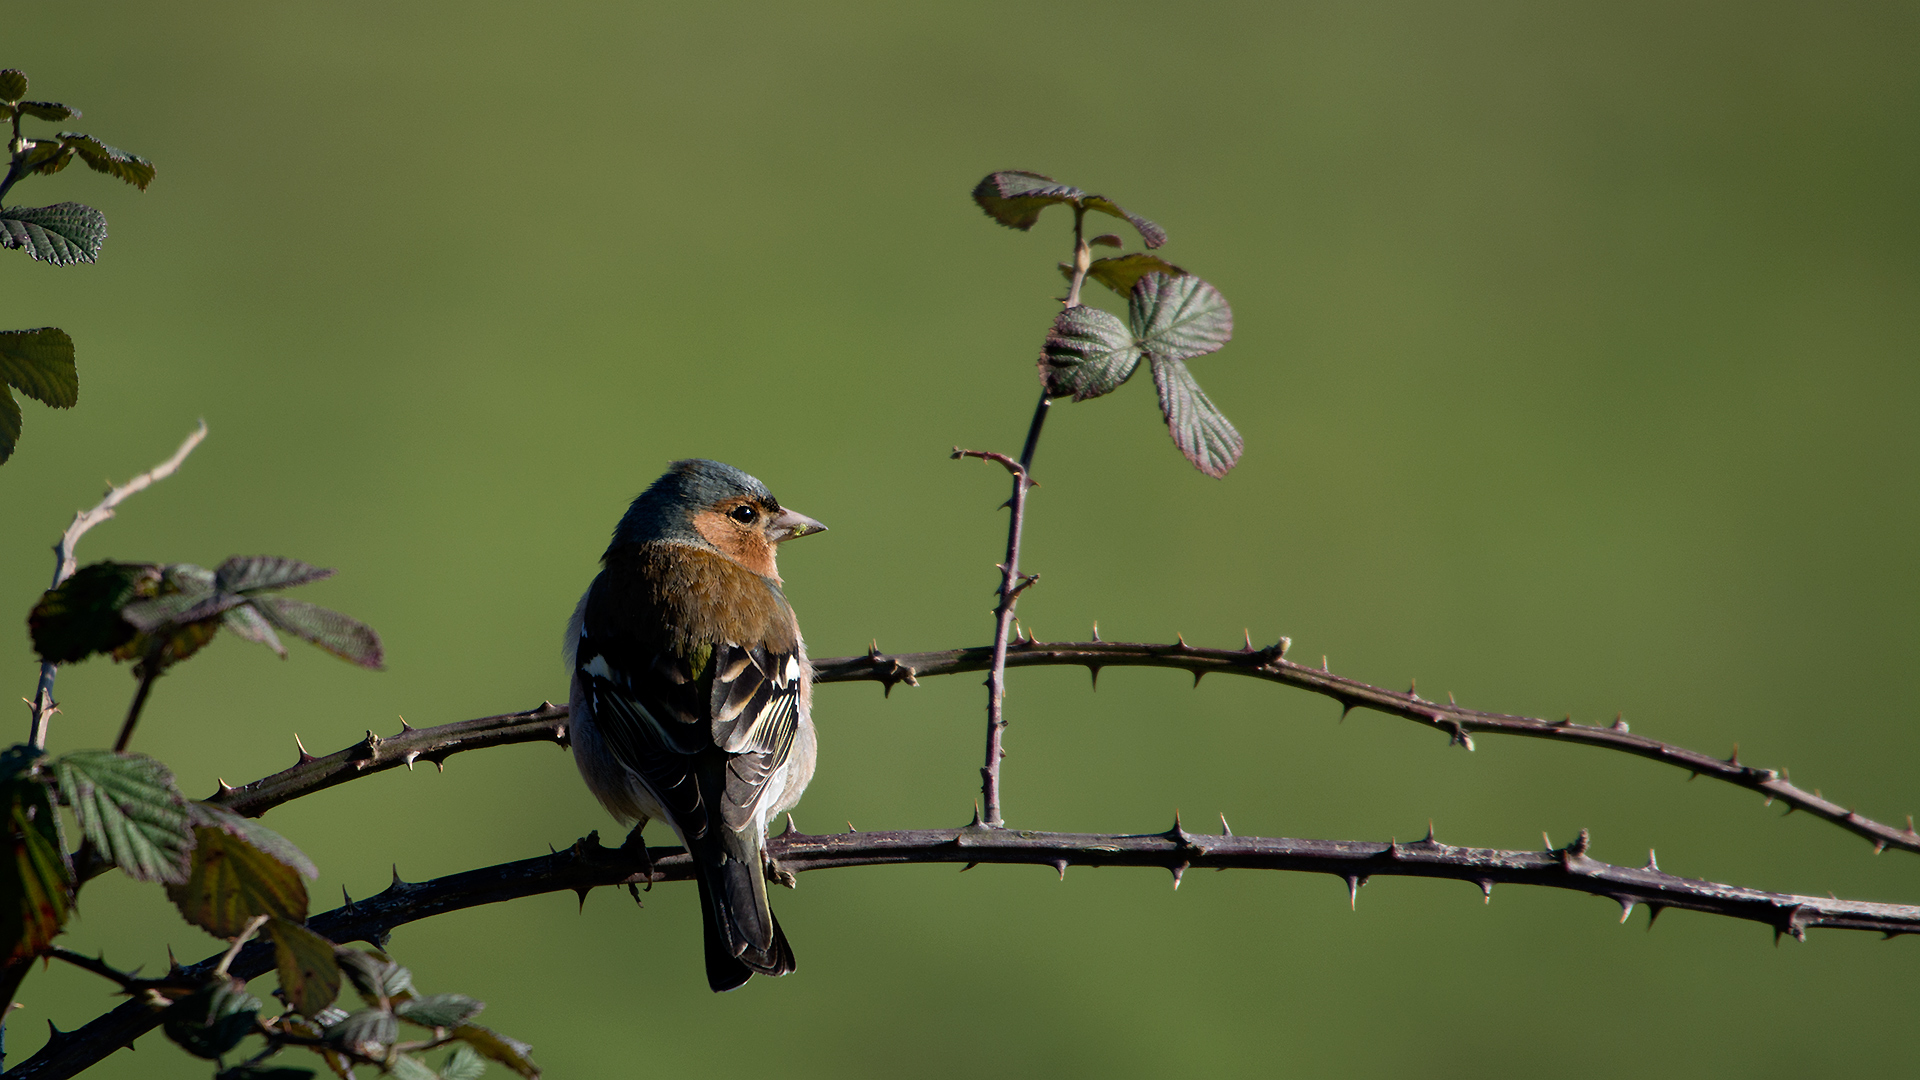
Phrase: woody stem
{"type": "Point", "coordinates": [1003, 623]}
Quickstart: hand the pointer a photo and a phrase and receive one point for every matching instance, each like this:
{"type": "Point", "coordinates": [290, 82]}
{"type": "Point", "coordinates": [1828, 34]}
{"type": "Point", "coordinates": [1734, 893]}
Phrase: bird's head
{"type": "Point", "coordinates": [715, 506]}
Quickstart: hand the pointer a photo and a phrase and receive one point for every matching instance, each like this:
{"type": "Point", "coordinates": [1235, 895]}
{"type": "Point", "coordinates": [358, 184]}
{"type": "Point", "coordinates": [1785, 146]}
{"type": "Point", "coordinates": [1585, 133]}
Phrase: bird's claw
{"type": "Point", "coordinates": [779, 874]}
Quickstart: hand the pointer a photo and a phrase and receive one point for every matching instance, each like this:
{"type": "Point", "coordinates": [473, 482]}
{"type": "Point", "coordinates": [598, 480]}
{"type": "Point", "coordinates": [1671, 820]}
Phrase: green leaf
{"type": "Point", "coordinates": [376, 977]}
{"type": "Point", "coordinates": [440, 1010]}
{"type": "Point", "coordinates": [246, 622]}
{"type": "Point", "coordinates": [1106, 240]}
{"type": "Point", "coordinates": [408, 1067]}
{"type": "Point", "coordinates": [510, 1052]}
{"type": "Point", "coordinates": [1178, 318]}
{"type": "Point", "coordinates": [249, 573]}
{"type": "Point", "coordinates": [1014, 198]}
{"type": "Point", "coordinates": [128, 807]}
{"type": "Point", "coordinates": [9, 423]}
{"type": "Point", "coordinates": [61, 234]}
{"type": "Point", "coordinates": [347, 638]}
{"type": "Point", "coordinates": [36, 884]}
{"type": "Point", "coordinates": [254, 833]}
{"type": "Point", "coordinates": [82, 616]}
{"type": "Point", "coordinates": [247, 1070]}
{"type": "Point", "coordinates": [1198, 428]}
{"type": "Point", "coordinates": [234, 879]}
{"type": "Point", "coordinates": [47, 156]}
{"type": "Point", "coordinates": [367, 1033]}
{"type": "Point", "coordinates": [213, 1019]}
{"type": "Point", "coordinates": [40, 364]}
{"type": "Point", "coordinates": [49, 110]}
{"type": "Point", "coordinates": [13, 85]}
{"type": "Point", "coordinates": [463, 1064]}
{"type": "Point", "coordinates": [309, 974]}
{"type": "Point", "coordinates": [1122, 272]}
{"type": "Point", "coordinates": [1088, 353]}
{"type": "Point", "coordinates": [102, 158]}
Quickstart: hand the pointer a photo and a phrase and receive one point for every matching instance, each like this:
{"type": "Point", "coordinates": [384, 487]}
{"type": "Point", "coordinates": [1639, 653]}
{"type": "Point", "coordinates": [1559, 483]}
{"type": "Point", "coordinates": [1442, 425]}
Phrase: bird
{"type": "Point", "coordinates": [692, 696]}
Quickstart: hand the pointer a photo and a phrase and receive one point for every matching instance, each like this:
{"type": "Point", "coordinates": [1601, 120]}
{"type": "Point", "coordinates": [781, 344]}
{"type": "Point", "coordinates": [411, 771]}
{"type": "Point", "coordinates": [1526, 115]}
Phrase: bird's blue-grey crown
{"type": "Point", "coordinates": [665, 510]}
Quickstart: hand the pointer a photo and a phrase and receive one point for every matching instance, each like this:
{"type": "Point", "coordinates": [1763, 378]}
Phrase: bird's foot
{"type": "Point", "coordinates": [635, 845]}
{"type": "Point", "coordinates": [779, 874]}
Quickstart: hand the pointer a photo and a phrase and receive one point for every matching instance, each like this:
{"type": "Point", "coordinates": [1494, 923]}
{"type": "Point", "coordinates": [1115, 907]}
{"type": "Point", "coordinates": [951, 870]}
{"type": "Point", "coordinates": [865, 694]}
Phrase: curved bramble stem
{"type": "Point", "coordinates": [589, 865]}
{"type": "Point", "coordinates": [40, 708]}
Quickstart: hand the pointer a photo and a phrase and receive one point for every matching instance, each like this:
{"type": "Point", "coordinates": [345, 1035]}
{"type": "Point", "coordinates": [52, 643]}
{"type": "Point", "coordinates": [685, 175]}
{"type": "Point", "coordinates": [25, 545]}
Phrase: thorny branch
{"type": "Point", "coordinates": [65, 561]}
{"type": "Point", "coordinates": [588, 865]}
{"type": "Point", "coordinates": [548, 723]}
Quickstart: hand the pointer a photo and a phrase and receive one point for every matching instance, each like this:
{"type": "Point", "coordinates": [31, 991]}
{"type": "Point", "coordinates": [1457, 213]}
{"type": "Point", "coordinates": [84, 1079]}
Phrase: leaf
{"type": "Point", "coordinates": [1198, 428]}
{"type": "Point", "coordinates": [232, 880]}
{"type": "Point", "coordinates": [409, 1067]}
{"type": "Point", "coordinates": [248, 573]}
{"type": "Point", "coordinates": [9, 423]}
{"type": "Point", "coordinates": [347, 638]}
{"type": "Point", "coordinates": [47, 156]}
{"type": "Point", "coordinates": [13, 85]}
{"type": "Point", "coordinates": [367, 1033]}
{"type": "Point", "coordinates": [254, 833]}
{"type": "Point", "coordinates": [463, 1064]}
{"type": "Point", "coordinates": [128, 807]}
{"type": "Point", "coordinates": [213, 1019]}
{"type": "Point", "coordinates": [1014, 198]}
{"type": "Point", "coordinates": [48, 110]}
{"type": "Point", "coordinates": [1106, 240]}
{"type": "Point", "coordinates": [1178, 318]}
{"type": "Point", "coordinates": [1088, 353]}
{"type": "Point", "coordinates": [82, 616]}
{"type": "Point", "coordinates": [247, 1070]}
{"type": "Point", "coordinates": [36, 884]}
{"type": "Point", "coordinates": [113, 161]}
{"type": "Point", "coordinates": [177, 623]}
{"type": "Point", "coordinates": [374, 975]}
{"type": "Point", "coordinates": [510, 1052]}
{"type": "Point", "coordinates": [40, 364]}
{"type": "Point", "coordinates": [440, 1010]}
{"type": "Point", "coordinates": [1121, 272]}
{"type": "Point", "coordinates": [309, 975]}
{"type": "Point", "coordinates": [61, 234]}
{"type": "Point", "coordinates": [246, 622]}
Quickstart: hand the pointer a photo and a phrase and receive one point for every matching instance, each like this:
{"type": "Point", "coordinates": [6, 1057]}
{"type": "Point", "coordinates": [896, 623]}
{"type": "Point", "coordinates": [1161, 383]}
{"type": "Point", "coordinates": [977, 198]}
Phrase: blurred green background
{"type": "Point", "coordinates": [1575, 361]}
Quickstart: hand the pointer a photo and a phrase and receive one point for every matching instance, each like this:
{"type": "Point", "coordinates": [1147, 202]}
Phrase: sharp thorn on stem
{"type": "Point", "coordinates": [1626, 908]}
{"type": "Point", "coordinates": [300, 746]}
{"type": "Point", "coordinates": [1486, 890]}
{"type": "Point", "coordinates": [1225, 829]}
{"type": "Point", "coordinates": [1354, 881]}
{"type": "Point", "coordinates": [1061, 865]}
{"type": "Point", "coordinates": [1653, 861]}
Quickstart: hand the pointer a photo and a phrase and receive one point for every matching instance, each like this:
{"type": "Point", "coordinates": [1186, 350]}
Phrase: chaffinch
{"type": "Point", "coordinates": [692, 693]}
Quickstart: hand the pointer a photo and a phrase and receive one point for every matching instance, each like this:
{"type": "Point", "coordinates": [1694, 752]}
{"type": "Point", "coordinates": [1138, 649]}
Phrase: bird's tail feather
{"type": "Point", "coordinates": [742, 936]}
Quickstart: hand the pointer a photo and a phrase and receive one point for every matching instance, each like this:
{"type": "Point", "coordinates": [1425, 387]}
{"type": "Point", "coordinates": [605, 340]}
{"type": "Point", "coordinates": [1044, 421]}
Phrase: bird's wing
{"type": "Point", "coordinates": [704, 725]}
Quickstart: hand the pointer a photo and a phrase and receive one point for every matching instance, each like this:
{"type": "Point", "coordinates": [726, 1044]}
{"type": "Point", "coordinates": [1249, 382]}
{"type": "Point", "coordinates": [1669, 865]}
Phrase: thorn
{"type": "Point", "coordinates": [968, 867]}
{"type": "Point", "coordinates": [1626, 908]}
{"type": "Point", "coordinates": [1413, 689]}
{"type": "Point", "coordinates": [1653, 863]}
{"type": "Point", "coordinates": [347, 900]}
{"type": "Point", "coordinates": [397, 883]}
{"type": "Point", "coordinates": [1094, 670]}
{"type": "Point", "coordinates": [1735, 759]}
{"type": "Point", "coordinates": [1580, 846]}
{"type": "Point", "coordinates": [1196, 677]}
{"type": "Point", "coordinates": [440, 764]}
{"type": "Point", "coordinates": [790, 829]}
{"type": "Point", "coordinates": [551, 850]}
{"type": "Point", "coordinates": [582, 892]}
{"type": "Point", "coordinates": [1323, 662]}
{"type": "Point", "coordinates": [977, 823]}
{"type": "Point", "coordinates": [633, 891]}
{"type": "Point", "coordinates": [1653, 912]}
{"type": "Point", "coordinates": [412, 755]}
{"type": "Point", "coordinates": [1879, 846]}
{"type": "Point", "coordinates": [404, 726]}
{"type": "Point", "coordinates": [1486, 890]}
{"type": "Point", "coordinates": [1248, 635]}
{"type": "Point", "coordinates": [1180, 642]}
{"type": "Point", "coordinates": [873, 648]}
{"type": "Point", "coordinates": [1620, 723]}
{"type": "Point", "coordinates": [1061, 865]}
{"type": "Point", "coordinates": [1354, 881]}
{"type": "Point", "coordinates": [1179, 871]}
{"type": "Point", "coordinates": [304, 756]}
{"type": "Point", "coordinates": [1547, 840]}
{"type": "Point", "coordinates": [1346, 706]}
{"type": "Point", "coordinates": [224, 787]}
{"type": "Point", "coordinates": [850, 828]}
{"type": "Point", "coordinates": [1225, 829]}
{"type": "Point", "coordinates": [1096, 629]}
{"type": "Point", "coordinates": [1429, 839]}
{"type": "Point", "coordinates": [1450, 700]}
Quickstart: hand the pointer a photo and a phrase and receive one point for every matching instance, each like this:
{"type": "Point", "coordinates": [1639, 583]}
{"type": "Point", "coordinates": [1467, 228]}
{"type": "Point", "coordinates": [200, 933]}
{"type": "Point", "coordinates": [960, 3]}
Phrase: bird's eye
{"type": "Point", "coordinates": [743, 514]}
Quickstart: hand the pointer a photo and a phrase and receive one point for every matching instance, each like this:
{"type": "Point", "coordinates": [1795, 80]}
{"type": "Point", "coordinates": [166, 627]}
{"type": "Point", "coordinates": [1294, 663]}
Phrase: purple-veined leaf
{"type": "Point", "coordinates": [247, 573]}
{"type": "Point", "coordinates": [1088, 353]}
{"type": "Point", "coordinates": [1197, 427]}
{"type": "Point", "coordinates": [347, 638]}
{"type": "Point", "coordinates": [1178, 318]}
{"type": "Point", "coordinates": [1121, 272]}
{"type": "Point", "coordinates": [1014, 198]}
{"type": "Point", "coordinates": [247, 622]}
{"type": "Point", "coordinates": [439, 1010]}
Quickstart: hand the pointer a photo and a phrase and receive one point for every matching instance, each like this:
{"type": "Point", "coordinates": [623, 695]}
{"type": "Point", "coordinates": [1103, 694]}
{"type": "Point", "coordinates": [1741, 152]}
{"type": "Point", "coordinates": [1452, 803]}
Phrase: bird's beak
{"type": "Point", "coordinates": [789, 525]}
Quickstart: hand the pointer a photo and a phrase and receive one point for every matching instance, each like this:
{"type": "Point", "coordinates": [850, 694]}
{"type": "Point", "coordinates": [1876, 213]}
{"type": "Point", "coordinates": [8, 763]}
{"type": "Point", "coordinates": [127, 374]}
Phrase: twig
{"type": "Point", "coordinates": [548, 723]}
{"type": "Point", "coordinates": [588, 865]}
{"type": "Point", "coordinates": [1010, 589]}
{"type": "Point", "coordinates": [66, 561]}
{"type": "Point", "coordinates": [149, 672]}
